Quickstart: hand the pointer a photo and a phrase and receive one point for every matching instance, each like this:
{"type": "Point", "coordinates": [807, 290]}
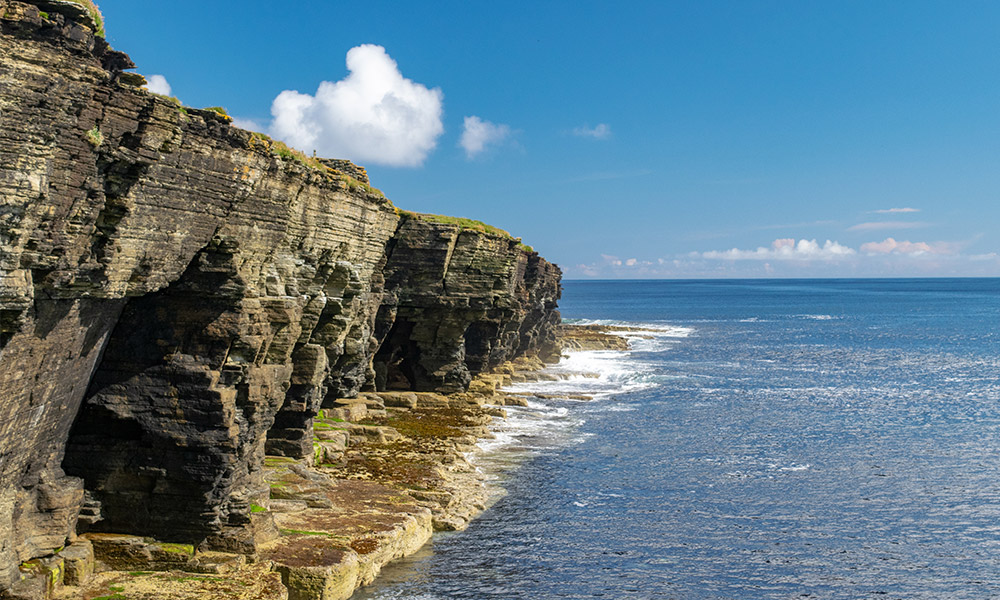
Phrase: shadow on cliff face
{"type": "Point", "coordinates": [169, 418]}
{"type": "Point", "coordinates": [397, 359]}
{"type": "Point", "coordinates": [480, 346]}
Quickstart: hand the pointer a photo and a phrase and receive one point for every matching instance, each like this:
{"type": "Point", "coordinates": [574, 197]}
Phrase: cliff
{"type": "Point", "coordinates": [179, 296]}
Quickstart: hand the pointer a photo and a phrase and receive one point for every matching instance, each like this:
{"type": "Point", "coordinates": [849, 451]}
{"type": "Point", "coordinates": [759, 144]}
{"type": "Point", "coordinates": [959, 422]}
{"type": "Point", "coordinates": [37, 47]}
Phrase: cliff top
{"type": "Point", "coordinates": [85, 12]}
{"type": "Point", "coordinates": [464, 224]}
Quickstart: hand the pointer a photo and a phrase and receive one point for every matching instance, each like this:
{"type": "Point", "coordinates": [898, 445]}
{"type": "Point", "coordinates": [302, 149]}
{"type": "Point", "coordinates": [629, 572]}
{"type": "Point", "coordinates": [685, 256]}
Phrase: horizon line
{"type": "Point", "coordinates": [787, 278]}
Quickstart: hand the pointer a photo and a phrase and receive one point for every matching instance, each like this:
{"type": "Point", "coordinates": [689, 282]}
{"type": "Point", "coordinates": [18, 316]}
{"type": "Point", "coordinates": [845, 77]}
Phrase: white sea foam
{"type": "Point", "coordinates": [499, 440]}
{"type": "Point", "coordinates": [549, 420]}
{"type": "Point", "coordinates": [658, 327]}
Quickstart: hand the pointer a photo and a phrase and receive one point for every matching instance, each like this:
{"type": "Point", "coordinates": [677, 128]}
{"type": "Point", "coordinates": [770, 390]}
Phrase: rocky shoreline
{"type": "Point", "coordinates": [388, 470]}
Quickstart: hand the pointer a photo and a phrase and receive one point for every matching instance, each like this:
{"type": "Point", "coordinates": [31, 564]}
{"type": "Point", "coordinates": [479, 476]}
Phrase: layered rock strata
{"type": "Point", "coordinates": [459, 302]}
{"type": "Point", "coordinates": [178, 295]}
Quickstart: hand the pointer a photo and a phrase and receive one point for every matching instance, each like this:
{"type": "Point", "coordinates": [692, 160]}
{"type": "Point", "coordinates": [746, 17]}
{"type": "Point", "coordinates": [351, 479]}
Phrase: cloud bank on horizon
{"type": "Point", "coordinates": [784, 249]}
{"type": "Point", "coordinates": [373, 115]}
{"type": "Point", "coordinates": [787, 257]}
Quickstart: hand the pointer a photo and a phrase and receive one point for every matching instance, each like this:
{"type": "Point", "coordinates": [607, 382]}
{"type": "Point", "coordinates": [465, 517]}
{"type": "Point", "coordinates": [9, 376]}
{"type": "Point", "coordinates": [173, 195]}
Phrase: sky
{"type": "Point", "coordinates": [633, 139]}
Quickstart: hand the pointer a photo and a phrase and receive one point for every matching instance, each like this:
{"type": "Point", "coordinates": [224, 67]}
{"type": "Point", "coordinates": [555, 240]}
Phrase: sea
{"type": "Point", "coordinates": [767, 439]}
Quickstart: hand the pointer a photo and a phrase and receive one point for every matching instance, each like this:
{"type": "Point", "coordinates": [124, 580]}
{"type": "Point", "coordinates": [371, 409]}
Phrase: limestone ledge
{"type": "Point", "coordinates": [597, 337]}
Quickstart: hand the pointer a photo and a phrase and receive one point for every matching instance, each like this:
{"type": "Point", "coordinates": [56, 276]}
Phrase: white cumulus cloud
{"type": "Point", "coordinates": [158, 85]}
{"type": "Point", "coordinates": [374, 115]}
{"type": "Point", "coordinates": [478, 134]}
{"type": "Point", "coordinates": [601, 132]}
{"type": "Point", "coordinates": [784, 249]}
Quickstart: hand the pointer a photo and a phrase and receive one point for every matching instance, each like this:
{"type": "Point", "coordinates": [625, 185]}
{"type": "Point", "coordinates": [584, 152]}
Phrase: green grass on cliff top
{"type": "Point", "coordinates": [95, 13]}
{"type": "Point", "coordinates": [286, 152]}
{"type": "Point", "coordinates": [462, 223]}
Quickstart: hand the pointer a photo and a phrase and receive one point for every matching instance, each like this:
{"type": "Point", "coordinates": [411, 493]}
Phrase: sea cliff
{"type": "Point", "coordinates": [180, 298]}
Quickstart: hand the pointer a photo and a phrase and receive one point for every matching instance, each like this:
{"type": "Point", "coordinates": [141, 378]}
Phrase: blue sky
{"type": "Point", "coordinates": [632, 140]}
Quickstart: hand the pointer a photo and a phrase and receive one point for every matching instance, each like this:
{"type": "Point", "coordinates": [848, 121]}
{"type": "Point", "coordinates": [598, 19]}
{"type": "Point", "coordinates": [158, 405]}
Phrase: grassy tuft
{"type": "Point", "coordinates": [256, 508]}
{"type": "Point", "coordinates": [167, 98]}
{"type": "Point", "coordinates": [353, 185]}
{"type": "Point", "coordinates": [95, 14]}
{"type": "Point", "coordinates": [186, 549]}
{"type": "Point", "coordinates": [284, 151]}
{"type": "Point", "coordinates": [220, 111]}
{"type": "Point", "coordinates": [95, 137]}
{"type": "Point", "coordinates": [288, 153]}
{"type": "Point", "coordinates": [326, 424]}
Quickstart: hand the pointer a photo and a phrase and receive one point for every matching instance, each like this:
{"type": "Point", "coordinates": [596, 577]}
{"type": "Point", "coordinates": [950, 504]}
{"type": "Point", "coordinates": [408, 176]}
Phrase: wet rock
{"type": "Point", "coordinates": [511, 400]}
{"type": "Point", "coordinates": [592, 337]}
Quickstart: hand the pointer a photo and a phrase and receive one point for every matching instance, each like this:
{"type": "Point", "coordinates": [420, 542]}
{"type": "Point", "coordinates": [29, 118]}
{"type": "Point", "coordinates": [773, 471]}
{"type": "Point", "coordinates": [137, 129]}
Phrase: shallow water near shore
{"type": "Point", "coordinates": [774, 439]}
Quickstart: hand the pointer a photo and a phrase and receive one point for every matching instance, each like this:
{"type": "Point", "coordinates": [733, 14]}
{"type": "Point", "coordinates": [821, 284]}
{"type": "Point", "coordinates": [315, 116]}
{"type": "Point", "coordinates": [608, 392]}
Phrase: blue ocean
{"type": "Point", "coordinates": [781, 439]}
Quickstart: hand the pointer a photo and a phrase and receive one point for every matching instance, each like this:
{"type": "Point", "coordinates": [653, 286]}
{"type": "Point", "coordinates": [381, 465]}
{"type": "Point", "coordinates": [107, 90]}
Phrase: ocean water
{"type": "Point", "coordinates": [771, 440]}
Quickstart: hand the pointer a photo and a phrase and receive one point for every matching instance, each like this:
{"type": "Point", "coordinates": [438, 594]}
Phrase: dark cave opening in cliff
{"type": "Point", "coordinates": [396, 361]}
{"type": "Point", "coordinates": [146, 440]}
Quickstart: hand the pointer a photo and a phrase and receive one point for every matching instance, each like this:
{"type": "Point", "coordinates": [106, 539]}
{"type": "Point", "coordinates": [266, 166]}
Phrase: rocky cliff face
{"type": "Point", "coordinates": [176, 298]}
{"type": "Point", "coordinates": [458, 302]}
